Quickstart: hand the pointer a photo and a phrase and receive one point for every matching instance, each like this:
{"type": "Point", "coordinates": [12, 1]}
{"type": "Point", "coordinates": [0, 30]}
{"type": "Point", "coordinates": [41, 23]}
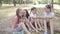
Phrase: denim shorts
{"type": "Point", "coordinates": [18, 31]}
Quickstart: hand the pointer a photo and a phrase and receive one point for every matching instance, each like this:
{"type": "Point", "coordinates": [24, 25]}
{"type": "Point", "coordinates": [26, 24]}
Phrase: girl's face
{"type": "Point", "coordinates": [47, 10]}
{"type": "Point", "coordinates": [34, 11]}
{"type": "Point", "coordinates": [23, 13]}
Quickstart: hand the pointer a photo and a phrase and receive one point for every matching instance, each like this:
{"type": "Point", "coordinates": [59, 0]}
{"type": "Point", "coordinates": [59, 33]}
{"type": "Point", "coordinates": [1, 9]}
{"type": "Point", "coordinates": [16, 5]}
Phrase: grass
{"type": "Point", "coordinates": [6, 14]}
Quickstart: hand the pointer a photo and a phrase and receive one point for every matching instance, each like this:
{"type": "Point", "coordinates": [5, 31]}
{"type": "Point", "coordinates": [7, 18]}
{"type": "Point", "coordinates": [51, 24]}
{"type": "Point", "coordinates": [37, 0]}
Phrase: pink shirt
{"type": "Point", "coordinates": [14, 22]}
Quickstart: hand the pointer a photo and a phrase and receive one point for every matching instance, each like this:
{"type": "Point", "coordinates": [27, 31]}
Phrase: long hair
{"type": "Point", "coordinates": [27, 14]}
{"type": "Point", "coordinates": [17, 14]}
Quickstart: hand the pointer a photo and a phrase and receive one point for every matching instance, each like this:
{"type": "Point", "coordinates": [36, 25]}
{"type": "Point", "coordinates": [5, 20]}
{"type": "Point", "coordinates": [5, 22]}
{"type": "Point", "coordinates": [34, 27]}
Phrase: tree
{"type": "Point", "coordinates": [59, 2]}
{"type": "Point", "coordinates": [0, 2]}
{"type": "Point", "coordinates": [52, 3]}
{"type": "Point", "coordinates": [8, 1]}
{"type": "Point", "coordinates": [34, 2]}
{"type": "Point", "coordinates": [14, 2]}
{"type": "Point", "coordinates": [5, 1]}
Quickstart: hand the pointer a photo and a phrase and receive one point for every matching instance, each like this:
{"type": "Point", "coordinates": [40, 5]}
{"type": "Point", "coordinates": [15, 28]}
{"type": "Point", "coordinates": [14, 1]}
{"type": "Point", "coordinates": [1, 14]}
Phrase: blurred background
{"type": "Point", "coordinates": [8, 9]}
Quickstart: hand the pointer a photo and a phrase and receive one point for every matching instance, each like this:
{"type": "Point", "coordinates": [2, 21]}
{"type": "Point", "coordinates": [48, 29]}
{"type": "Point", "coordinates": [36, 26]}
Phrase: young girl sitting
{"type": "Point", "coordinates": [18, 22]}
{"type": "Point", "coordinates": [48, 14]}
{"type": "Point", "coordinates": [33, 22]}
{"type": "Point", "coordinates": [32, 15]}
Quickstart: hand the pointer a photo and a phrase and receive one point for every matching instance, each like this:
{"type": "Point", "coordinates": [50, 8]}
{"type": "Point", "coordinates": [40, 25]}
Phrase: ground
{"type": "Point", "coordinates": [6, 14]}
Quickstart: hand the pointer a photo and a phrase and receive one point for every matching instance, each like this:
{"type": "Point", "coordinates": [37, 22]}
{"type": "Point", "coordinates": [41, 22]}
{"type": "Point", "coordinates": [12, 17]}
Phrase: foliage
{"type": "Point", "coordinates": [29, 1]}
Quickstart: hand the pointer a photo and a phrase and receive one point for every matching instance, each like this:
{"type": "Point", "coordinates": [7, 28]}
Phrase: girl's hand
{"type": "Point", "coordinates": [26, 20]}
{"type": "Point", "coordinates": [37, 31]}
{"type": "Point", "coordinates": [29, 33]}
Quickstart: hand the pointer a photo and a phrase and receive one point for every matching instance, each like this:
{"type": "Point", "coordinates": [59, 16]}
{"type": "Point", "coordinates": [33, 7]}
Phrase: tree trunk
{"type": "Point", "coordinates": [20, 1]}
{"type": "Point", "coordinates": [9, 2]}
{"type": "Point", "coordinates": [0, 2]}
{"type": "Point", "coordinates": [52, 3]}
{"type": "Point", "coordinates": [14, 2]}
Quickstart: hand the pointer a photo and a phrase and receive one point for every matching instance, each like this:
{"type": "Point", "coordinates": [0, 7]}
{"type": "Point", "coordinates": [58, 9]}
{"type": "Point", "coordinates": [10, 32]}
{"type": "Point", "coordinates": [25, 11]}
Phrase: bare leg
{"type": "Point", "coordinates": [33, 27]}
{"type": "Point", "coordinates": [36, 24]}
{"type": "Point", "coordinates": [28, 26]}
{"type": "Point", "coordinates": [24, 28]}
{"type": "Point", "coordinates": [51, 27]}
{"type": "Point", "coordinates": [39, 25]}
{"type": "Point", "coordinates": [45, 27]}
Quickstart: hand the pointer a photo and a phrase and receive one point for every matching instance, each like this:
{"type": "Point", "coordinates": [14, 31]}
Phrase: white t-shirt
{"type": "Point", "coordinates": [32, 15]}
{"type": "Point", "coordinates": [48, 14]}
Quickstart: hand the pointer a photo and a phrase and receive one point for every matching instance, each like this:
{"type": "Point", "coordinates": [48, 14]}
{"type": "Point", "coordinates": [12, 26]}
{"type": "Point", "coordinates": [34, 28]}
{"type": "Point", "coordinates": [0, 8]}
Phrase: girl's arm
{"type": "Point", "coordinates": [33, 27]}
{"type": "Point", "coordinates": [43, 17]}
{"type": "Point", "coordinates": [30, 23]}
{"type": "Point", "coordinates": [14, 22]}
{"type": "Point", "coordinates": [27, 23]}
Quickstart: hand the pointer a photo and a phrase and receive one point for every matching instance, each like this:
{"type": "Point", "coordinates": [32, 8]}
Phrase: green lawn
{"type": "Point", "coordinates": [6, 14]}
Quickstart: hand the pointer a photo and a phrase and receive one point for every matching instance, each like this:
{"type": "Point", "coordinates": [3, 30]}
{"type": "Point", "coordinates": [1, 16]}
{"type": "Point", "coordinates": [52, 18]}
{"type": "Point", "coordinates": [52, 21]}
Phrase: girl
{"type": "Point", "coordinates": [27, 24]}
{"type": "Point", "coordinates": [32, 15]}
{"type": "Point", "coordinates": [48, 14]}
{"type": "Point", "coordinates": [18, 21]}
{"type": "Point", "coordinates": [32, 20]}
